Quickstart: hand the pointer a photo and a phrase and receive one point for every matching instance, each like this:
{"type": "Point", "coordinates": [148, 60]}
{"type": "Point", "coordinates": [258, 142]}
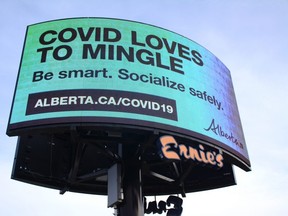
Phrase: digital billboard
{"type": "Point", "coordinates": [99, 71]}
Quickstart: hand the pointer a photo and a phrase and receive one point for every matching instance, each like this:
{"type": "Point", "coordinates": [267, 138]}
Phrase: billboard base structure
{"type": "Point", "coordinates": [78, 159]}
{"type": "Point", "coordinates": [132, 183]}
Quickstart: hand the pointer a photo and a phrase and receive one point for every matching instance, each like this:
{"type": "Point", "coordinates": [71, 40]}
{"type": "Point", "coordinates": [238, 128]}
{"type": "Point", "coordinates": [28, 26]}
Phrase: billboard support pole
{"type": "Point", "coordinates": [132, 183]}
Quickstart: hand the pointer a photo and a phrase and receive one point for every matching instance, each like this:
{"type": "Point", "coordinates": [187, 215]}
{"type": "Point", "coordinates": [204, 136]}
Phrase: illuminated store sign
{"type": "Point", "coordinates": [170, 149]}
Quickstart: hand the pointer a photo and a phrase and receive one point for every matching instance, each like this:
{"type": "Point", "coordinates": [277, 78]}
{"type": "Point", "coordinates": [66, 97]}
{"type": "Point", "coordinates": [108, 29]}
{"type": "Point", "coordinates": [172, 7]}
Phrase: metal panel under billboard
{"type": "Point", "coordinates": [98, 70]}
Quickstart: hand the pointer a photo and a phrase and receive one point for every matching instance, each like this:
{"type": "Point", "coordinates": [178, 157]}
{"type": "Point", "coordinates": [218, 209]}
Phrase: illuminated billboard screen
{"type": "Point", "coordinates": [110, 71]}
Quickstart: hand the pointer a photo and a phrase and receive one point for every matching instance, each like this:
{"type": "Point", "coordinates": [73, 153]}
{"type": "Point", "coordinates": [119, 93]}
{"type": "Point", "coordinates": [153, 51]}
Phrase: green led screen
{"type": "Point", "coordinates": [98, 70]}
